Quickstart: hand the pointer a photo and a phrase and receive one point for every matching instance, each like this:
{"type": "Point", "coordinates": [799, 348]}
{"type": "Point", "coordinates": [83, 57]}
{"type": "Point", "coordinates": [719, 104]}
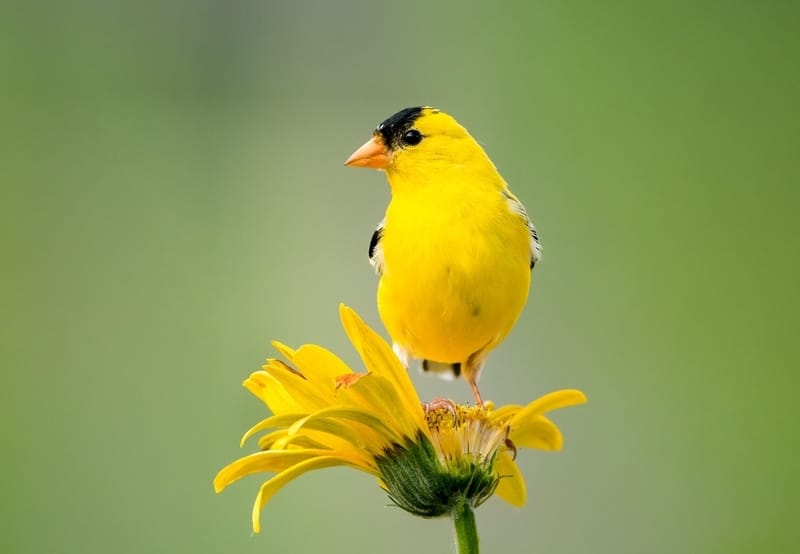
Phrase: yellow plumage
{"type": "Point", "coordinates": [455, 249]}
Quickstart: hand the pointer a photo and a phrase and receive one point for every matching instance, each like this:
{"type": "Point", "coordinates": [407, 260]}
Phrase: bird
{"type": "Point", "coordinates": [455, 249]}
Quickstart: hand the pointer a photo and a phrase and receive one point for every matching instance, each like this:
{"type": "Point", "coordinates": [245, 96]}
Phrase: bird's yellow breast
{"type": "Point", "coordinates": [456, 270]}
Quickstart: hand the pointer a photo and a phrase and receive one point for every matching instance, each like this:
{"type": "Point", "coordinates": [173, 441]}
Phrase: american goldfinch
{"type": "Point", "coordinates": [456, 248]}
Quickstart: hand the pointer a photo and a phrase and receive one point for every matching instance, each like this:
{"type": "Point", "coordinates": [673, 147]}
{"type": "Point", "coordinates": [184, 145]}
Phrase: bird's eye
{"type": "Point", "coordinates": [412, 137]}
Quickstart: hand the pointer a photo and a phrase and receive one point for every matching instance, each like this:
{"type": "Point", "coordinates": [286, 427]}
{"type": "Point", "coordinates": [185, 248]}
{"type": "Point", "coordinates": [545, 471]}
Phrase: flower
{"type": "Point", "coordinates": [429, 458]}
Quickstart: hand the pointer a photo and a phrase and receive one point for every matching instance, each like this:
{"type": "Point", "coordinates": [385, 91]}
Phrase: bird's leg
{"type": "Point", "coordinates": [475, 392]}
{"type": "Point", "coordinates": [472, 370]}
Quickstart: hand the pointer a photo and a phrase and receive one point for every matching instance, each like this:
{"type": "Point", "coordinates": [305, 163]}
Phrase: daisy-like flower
{"type": "Point", "coordinates": [432, 460]}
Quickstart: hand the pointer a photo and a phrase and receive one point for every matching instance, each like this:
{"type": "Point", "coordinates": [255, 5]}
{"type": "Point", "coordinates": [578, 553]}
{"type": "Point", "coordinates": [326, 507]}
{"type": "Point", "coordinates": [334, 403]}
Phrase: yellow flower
{"type": "Point", "coordinates": [428, 459]}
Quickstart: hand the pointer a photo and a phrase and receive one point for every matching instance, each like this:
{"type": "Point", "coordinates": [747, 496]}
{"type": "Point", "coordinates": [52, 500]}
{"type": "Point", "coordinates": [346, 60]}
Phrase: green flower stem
{"type": "Point", "coordinates": [466, 530]}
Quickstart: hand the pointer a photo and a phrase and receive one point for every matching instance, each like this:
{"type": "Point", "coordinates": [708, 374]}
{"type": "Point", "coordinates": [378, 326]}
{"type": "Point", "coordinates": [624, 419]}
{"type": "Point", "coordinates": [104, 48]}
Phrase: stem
{"type": "Point", "coordinates": [466, 530]}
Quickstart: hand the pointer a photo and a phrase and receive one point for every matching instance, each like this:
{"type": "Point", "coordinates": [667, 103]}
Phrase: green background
{"type": "Point", "coordinates": [173, 196]}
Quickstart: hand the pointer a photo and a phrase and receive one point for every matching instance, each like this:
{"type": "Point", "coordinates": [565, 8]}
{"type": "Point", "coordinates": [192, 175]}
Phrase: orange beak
{"type": "Point", "coordinates": [373, 154]}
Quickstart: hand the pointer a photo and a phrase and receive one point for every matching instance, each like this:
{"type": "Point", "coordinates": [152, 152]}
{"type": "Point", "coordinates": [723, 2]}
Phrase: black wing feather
{"type": "Point", "coordinates": [375, 251]}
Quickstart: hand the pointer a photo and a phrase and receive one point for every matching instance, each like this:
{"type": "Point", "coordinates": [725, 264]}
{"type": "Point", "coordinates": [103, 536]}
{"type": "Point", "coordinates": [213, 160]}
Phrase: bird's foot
{"type": "Point", "coordinates": [440, 404]}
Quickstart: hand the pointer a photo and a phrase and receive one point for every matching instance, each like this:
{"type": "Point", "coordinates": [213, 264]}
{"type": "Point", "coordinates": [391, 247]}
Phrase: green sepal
{"type": "Point", "coordinates": [422, 484]}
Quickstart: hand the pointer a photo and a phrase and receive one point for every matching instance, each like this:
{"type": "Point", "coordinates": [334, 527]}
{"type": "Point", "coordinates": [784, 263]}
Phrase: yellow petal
{"type": "Point", "coordinates": [376, 395]}
{"type": "Point", "coordinates": [277, 442]}
{"type": "Point", "coordinates": [327, 420]}
{"type": "Point", "coordinates": [537, 432]}
{"type": "Point", "coordinates": [272, 422]}
{"type": "Point", "coordinates": [284, 350]}
{"type": "Point", "coordinates": [511, 487]}
{"type": "Point", "coordinates": [319, 364]}
{"type": "Point", "coordinates": [271, 441]}
{"type": "Point", "coordinates": [271, 460]}
{"type": "Point", "coordinates": [503, 412]}
{"type": "Point", "coordinates": [308, 395]}
{"type": "Point", "coordinates": [269, 390]}
{"type": "Point", "coordinates": [550, 402]}
{"type": "Point", "coordinates": [272, 486]}
{"type": "Point", "coordinates": [280, 440]}
{"type": "Point", "coordinates": [311, 438]}
{"type": "Point", "coordinates": [379, 358]}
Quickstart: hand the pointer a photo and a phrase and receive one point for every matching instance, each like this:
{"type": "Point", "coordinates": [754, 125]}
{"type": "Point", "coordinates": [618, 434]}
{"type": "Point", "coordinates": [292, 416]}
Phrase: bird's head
{"type": "Point", "coordinates": [418, 142]}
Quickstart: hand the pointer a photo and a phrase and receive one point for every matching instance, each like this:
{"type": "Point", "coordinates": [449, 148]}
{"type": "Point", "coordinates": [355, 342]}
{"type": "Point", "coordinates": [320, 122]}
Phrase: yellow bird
{"type": "Point", "coordinates": [456, 248]}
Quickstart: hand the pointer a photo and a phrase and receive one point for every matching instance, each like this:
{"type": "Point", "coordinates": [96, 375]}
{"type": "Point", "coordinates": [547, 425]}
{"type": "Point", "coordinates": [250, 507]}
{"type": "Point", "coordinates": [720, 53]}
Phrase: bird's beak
{"type": "Point", "coordinates": [373, 154]}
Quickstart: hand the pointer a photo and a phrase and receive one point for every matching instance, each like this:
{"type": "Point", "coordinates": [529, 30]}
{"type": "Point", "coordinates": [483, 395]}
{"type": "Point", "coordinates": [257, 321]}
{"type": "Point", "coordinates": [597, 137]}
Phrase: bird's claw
{"type": "Point", "coordinates": [438, 404]}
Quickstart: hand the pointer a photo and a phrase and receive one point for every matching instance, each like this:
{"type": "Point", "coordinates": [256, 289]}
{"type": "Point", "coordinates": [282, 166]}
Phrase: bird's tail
{"type": "Point", "coordinates": [442, 369]}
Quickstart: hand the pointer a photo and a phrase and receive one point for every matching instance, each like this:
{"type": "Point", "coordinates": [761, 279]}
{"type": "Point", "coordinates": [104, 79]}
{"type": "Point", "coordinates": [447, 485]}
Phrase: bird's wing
{"type": "Point", "coordinates": [517, 207]}
{"type": "Point", "coordinates": [375, 250]}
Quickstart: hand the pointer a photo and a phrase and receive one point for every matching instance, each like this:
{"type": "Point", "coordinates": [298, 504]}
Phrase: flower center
{"type": "Point", "coordinates": [430, 477]}
{"type": "Point", "coordinates": [464, 433]}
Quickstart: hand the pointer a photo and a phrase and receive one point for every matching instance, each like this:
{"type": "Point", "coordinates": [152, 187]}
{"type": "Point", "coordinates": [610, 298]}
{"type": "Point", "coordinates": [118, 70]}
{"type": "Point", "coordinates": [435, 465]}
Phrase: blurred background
{"type": "Point", "coordinates": [173, 197]}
